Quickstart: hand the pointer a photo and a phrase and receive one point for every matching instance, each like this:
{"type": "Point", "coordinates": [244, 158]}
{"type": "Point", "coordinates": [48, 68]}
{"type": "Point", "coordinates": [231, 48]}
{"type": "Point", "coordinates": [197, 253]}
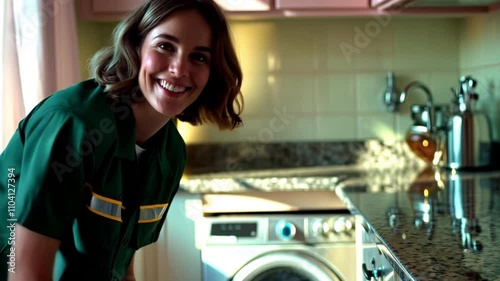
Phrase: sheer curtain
{"type": "Point", "coordinates": [38, 56]}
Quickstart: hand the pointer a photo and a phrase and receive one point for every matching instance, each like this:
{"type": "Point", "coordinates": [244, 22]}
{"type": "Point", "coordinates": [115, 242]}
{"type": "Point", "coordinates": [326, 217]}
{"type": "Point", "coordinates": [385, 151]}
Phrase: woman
{"type": "Point", "coordinates": [91, 171]}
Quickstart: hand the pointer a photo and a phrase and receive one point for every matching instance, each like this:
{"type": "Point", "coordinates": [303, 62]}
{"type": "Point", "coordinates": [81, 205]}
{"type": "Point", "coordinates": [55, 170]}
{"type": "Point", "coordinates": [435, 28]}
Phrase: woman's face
{"type": "Point", "coordinates": [175, 62]}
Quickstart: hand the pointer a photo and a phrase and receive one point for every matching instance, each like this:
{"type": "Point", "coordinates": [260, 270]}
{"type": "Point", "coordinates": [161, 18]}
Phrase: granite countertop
{"type": "Point", "coordinates": [284, 179]}
{"type": "Point", "coordinates": [433, 225]}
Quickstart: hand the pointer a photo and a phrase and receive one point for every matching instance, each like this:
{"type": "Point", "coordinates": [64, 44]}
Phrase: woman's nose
{"type": "Point", "coordinates": [178, 66]}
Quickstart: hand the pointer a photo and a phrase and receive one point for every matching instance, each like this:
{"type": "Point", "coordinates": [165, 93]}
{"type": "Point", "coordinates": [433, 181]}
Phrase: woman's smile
{"type": "Point", "coordinates": [173, 88]}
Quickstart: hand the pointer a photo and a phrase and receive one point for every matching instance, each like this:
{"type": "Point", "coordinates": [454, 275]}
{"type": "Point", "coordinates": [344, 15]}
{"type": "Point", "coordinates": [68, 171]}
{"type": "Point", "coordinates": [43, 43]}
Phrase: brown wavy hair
{"type": "Point", "coordinates": [117, 67]}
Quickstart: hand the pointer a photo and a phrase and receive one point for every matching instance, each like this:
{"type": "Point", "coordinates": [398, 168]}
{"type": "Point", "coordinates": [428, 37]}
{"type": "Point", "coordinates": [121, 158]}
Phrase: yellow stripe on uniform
{"type": "Point", "coordinates": [152, 213]}
{"type": "Point", "coordinates": [104, 206]}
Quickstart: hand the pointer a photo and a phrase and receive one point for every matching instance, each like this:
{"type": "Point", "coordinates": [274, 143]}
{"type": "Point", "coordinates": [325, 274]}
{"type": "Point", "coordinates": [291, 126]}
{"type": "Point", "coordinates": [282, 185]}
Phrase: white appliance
{"type": "Point", "coordinates": [306, 236]}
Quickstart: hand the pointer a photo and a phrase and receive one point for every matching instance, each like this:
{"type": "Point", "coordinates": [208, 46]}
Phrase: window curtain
{"type": "Point", "coordinates": [38, 56]}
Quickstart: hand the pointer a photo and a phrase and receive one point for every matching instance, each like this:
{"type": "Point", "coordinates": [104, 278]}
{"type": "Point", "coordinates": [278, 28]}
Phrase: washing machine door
{"type": "Point", "coordinates": [286, 266]}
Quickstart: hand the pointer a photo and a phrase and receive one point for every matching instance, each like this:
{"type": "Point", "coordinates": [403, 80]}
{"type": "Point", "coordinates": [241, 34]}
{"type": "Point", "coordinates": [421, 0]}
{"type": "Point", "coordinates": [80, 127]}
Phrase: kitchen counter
{"type": "Point", "coordinates": [430, 225]}
{"type": "Point", "coordinates": [291, 179]}
{"type": "Point", "coordinates": [435, 225]}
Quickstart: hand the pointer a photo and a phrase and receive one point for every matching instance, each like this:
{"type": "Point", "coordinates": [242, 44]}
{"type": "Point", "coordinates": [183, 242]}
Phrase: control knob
{"type": "Point", "coordinates": [340, 225]}
{"type": "Point", "coordinates": [285, 230]}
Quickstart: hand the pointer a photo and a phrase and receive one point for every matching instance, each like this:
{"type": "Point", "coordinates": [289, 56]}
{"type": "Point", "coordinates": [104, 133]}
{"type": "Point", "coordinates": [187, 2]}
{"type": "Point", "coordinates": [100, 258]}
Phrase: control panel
{"type": "Point", "coordinates": [285, 228]}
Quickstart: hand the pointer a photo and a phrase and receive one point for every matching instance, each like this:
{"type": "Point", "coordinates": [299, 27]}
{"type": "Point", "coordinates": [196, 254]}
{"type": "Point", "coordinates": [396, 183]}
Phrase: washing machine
{"type": "Point", "coordinates": [278, 246]}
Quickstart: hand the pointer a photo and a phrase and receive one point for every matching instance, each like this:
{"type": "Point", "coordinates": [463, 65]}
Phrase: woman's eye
{"type": "Point", "coordinates": [200, 58]}
{"type": "Point", "coordinates": [166, 46]}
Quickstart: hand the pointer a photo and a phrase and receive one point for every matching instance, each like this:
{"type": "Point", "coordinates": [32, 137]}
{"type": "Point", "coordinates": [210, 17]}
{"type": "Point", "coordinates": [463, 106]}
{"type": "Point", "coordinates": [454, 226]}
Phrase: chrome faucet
{"type": "Point", "coordinates": [414, 85]}
{"type": "Point", "coordinates": [428, 105]}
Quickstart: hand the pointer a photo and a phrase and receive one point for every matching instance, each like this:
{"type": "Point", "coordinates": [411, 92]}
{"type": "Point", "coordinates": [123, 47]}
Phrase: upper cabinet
{"type": "Point", "coordinates": [321, 4]}
{"type": "Point", "coordinates": [117, 9]}
{"type": "Point", "coordinates": [106, 10]}
{"type": "Point", "coordinates": [435, 6]}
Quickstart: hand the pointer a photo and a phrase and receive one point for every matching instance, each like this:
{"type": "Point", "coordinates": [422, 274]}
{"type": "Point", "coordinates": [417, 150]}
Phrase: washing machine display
{"type": "Point", "coordinates": [235, 229]}
{"type": "Point", "coordinates": [286, 247]}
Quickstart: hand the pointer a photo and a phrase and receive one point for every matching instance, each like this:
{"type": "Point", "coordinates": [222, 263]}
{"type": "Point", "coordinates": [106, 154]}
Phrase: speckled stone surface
{"type": "Point", "coordinates": [247, 156]}
{"type": "Point", "coordinates": [435, 225]}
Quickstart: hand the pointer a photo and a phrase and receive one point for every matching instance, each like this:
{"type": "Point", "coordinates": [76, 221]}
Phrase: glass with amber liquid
{"type": "Point", "coordinates": [421, 143]}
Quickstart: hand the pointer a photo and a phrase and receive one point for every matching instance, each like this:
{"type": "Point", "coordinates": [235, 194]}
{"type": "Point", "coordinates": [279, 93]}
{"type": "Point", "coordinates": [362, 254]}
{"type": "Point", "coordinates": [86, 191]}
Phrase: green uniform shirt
{"type": "Point", "coordinates": [70, 172]}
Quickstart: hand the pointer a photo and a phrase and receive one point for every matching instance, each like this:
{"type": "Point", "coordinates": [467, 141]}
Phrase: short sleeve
{"type": "Point", "coordinates": [55, 161]}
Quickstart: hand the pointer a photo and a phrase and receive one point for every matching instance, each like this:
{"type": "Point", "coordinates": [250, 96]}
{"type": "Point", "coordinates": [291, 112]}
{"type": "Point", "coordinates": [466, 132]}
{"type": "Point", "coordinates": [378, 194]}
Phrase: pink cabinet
{"type": "Point", "coordinates": [322, 4]}
{"type": "Point", "coordinates": [245, 5]}
{"type": "Point", "coordinates": [106, 10]}
{"type": "Point", "coordinates": [117, 9]}
{"type": "Point", "coordinates": [433, 6]}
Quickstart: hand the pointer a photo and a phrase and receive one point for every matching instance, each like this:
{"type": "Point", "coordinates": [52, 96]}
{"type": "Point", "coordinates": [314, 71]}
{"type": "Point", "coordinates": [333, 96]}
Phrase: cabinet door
{"type": "Point", "coordinates": [118, 9]}
{"type": "Point", "coordinates": [244, 5]}
{"type": "Point", "coordinates": [115, 6]}
{"type": "Point", "coordinates": [389, 3]}
{"type": "Point", "coordinates": [321, 4]}
{"type": "Point", "coordinates": [106, 10]}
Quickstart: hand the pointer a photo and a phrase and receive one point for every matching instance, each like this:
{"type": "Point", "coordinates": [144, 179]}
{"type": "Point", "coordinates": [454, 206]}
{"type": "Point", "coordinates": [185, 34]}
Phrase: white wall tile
{"type": "Point", "coordinates": [304, 128]}
{"type": "Point", "coordinates": [441, 83]}
{"type": "Point", "coordinates": [337, 127]}
{"type": "Point", "coordinates": [370, 89]}
{"type": "Point", "coordinates": [471, 33]}
{"type": "Point", "coordinates": [335, 93]}
{"type": "Point", "coordinates": [296, 44]}
{"type": "Point", "coordinates": [429, 44]}
{"type": "Point", "coordinates": [376, 126]}
{"type": "Point", "coordinates": [339, 54]}
{"type": "Point", "coordinates": [379, 49]}
{"type": "Point", "coordinates": [296, 91]}
{"type": "Point", "coordinates": [258, 95]}
{"type": "Point", "coordinates": [256, 56]}
{"type": "Point", "coordinates": [277, 129]}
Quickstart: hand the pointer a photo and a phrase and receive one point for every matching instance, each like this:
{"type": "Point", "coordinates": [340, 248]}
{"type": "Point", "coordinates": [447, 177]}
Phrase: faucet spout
{"type": "Point", "coordinates": [416, 85]}
{"type": "Point", "coordinates": [428, 105]}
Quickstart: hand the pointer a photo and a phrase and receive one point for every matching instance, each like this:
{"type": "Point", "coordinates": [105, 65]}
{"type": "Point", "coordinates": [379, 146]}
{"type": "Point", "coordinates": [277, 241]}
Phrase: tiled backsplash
{"type": "Point", "coordinates": [329, 76]}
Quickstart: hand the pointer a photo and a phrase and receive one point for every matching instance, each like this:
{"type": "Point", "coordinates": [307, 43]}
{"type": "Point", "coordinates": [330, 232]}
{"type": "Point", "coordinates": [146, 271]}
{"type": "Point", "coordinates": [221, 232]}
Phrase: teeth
{"type": "Point", "coordinates": [170, 87]}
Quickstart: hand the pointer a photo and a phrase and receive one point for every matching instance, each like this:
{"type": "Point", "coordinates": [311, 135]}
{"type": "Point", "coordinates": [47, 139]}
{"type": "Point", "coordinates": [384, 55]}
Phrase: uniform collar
{"type": "Point", "coordinates": [125, 129]}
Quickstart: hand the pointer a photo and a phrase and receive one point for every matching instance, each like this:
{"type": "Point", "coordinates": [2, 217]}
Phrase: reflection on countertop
{"type": "Point", "coordinates": [436, 225]}
{"type": "Point", "coordinates": [292, 179]}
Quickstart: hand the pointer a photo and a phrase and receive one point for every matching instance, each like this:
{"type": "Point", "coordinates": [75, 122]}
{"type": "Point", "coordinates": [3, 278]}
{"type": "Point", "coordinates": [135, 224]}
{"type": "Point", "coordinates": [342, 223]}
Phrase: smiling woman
{"type": "Point", "coordinates": [98, 164]}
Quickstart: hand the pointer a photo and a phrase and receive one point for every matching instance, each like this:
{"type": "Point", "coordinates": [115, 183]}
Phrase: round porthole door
{"type": "Point", "coordinates": [285, 266]}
